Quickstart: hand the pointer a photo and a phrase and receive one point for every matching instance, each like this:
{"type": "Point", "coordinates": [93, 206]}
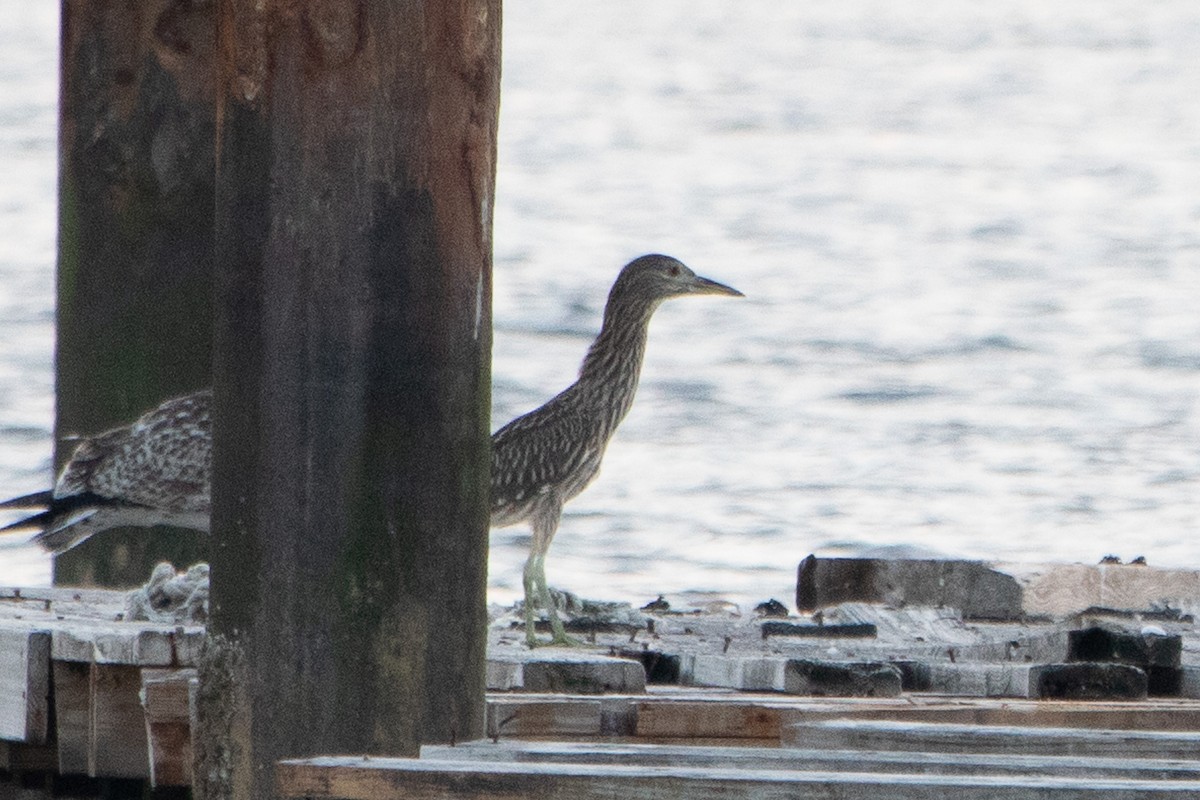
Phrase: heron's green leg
{"type": "Point", "coordinates": [559, 633]}
{"type": "Point", "coordinates": [531, 599]}
{"type": "Point", "coordinates": [544, 524]}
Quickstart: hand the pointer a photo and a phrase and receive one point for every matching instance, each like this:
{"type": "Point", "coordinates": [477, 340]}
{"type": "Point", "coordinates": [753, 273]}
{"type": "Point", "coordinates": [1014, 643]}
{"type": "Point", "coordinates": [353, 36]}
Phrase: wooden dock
{"type": "Point", "coordinates": [689, 704]}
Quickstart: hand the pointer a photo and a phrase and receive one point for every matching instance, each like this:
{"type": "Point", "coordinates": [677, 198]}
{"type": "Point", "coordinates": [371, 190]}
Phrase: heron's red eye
{"type": "Point", "coordinates": [674, 271]}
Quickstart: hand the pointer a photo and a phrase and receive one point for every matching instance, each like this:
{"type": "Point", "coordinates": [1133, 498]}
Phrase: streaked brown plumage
{"type": "Point", "coordinates": [156, 471]}
{"type": "Point", "coordinates": [152, 472]}
{"type": "Point", "coordinates": [544, 458]}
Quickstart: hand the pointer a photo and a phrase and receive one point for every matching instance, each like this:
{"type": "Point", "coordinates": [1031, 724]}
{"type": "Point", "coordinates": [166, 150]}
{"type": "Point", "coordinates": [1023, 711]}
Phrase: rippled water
{"type": "Point", "coordinates": [969, 237]}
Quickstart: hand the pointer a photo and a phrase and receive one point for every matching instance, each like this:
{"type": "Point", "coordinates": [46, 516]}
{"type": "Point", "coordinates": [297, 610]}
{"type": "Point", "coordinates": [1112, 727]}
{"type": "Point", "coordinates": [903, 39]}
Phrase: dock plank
{"type": "Point", "coordinates": [683, 719]}
{"type": "Point", "coordinates": [995, 739]}
{"type": "Point", "coordinates": [22, 757]}
{"type": "Point", "coordinates": [99, 724]}
{"type": "Point", "coordinates": [24, 684]}
{"type": "Point", "coordinates": [544, 716]}
{"type": "Point", "coordinates": [810, 760]}
{"type": "Point", "coordinates": [72, 715]}
{"type": "Point", "coordinates": [705, 714]}
{"type": "Point", "coordinates": [355, 778]}
{"type": "Point", "coordinates": [165, 699]}
{"type": "Point", "coordinates": [117, 745]}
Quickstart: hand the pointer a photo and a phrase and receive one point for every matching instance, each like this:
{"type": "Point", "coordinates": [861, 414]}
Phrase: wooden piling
{"type": "Point", "coordinates": [355, 172]}
{"type": "Point", "coordinates": [135, 240]}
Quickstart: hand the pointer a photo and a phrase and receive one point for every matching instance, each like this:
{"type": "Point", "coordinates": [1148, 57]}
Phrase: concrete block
{"type": "Point", "coordinates": [862, 630]}
{"type": "Point", "coordinates": [1084, 680]}
{"type": "Point", "coordinates": [580, 676]}
{"type": "Point", "coordinates": [1059, 590]}
{"type": "Point", "coordinates": [971, 586]}
{"type": "Point", "coordinates": [966, 680]}
{"type": "Point", "coordinates": [841, 678]}
{"type": "Point", "coordinates": [687, 669]}
{"type": "Point", "coordinates": [1189, 682]}
{"type": "Point", "coordinates": [1158, 655]}
{"type": "Point", "coordinates": [980, 680]}
{"type": "Point", "coordinates": [732, 672]}
{"type": "Point", "coordinates": [715, 670]}
{"type": "Point", "coordinates": [1124, 646]}
{"type": "Point", "coordinates": [1010, 680]}
{"type": "Point", "coordinates": [660, 667]}
{"type": "Point", "coordinates": [914, 675]}
{"type": "Point", "coordinates": [763, 675]}
{"type": "Point", "coordinates": [504, 676]}
{"type": "Point", "coordinates": [1164, 681]}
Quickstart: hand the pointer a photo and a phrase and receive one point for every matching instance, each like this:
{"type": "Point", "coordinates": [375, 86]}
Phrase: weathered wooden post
{"type": "Point", "coordinates": [135, 239]}
{"type": "Point", "coordinates": [355, 171]}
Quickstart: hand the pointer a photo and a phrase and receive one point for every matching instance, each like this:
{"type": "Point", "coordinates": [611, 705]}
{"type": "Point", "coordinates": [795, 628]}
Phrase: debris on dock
{"type": "Point", "coordinates": [88, 690]}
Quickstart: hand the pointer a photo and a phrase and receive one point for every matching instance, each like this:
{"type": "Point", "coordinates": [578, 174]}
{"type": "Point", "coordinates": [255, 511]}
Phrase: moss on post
{"type": "Point", "coordinates": [356, 167]}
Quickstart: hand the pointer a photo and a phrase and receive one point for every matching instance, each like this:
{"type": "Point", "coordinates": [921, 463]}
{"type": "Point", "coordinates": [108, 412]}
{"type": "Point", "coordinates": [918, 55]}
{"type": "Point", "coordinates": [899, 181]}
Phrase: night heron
{"type": "Point", "coordinates": [152, 472]}
{"type": "Point", "coordinates": [156, 471]}
{"type": "Point", "coordinates": [544, 458]}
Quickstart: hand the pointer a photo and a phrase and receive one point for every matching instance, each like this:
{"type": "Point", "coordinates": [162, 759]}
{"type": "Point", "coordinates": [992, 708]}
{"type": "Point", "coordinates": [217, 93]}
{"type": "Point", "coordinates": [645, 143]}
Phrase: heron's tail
{"type": "Point", "coordinates": [58, 525]}
{"type": "Point", "coordinates": [36, 500]}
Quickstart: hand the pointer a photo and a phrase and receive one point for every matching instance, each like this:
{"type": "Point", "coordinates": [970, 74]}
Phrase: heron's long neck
{"type": "Point", "coordinates": [610, 370]}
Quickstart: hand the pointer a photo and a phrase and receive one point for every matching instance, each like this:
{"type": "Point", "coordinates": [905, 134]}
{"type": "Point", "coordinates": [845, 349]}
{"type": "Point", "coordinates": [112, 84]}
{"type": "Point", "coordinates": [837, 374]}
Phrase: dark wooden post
{"type": "Point", "coordinates": [355, 173]}
{"type": "Point", "coordinates": [135, 239]}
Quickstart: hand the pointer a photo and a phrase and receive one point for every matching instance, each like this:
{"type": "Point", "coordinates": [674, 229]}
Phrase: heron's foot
{"type": "Point", "coordinates": [562, 640]}
{"type": "Point", "coordinates": [558, 637]}
{"type": "Point", "coordinates": [556, 640]}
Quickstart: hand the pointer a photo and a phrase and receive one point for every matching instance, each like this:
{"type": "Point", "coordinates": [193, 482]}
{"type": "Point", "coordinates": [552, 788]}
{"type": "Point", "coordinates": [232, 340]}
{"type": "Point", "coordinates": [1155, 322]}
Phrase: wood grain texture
{"type": "Point", "coordinates": [166, 707]}
{"type": "Point", "coordinates": [24, 684]}
{"type": "Point", "coordinates": [355, 176]}
{"type": "Point", "coordinates": [959, 738]}
{"type": "Point", "coordinates": [72, 716]}
{"type": "Point", "coordinates": [810, 760]}
{"type": "Point", "coordinates": [117, 745]}
{"type": "Point", "coordinates": [412, 779]}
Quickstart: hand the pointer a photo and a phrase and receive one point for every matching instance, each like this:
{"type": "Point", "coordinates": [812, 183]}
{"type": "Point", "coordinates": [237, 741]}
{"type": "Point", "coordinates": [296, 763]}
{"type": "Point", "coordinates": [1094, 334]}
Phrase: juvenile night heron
{"type": "Point", "coordinates": [548, 456]}
{"type": "Point", "coordinates": [152, 472]}
{"type": "Point", "coordinates": [156, 471]}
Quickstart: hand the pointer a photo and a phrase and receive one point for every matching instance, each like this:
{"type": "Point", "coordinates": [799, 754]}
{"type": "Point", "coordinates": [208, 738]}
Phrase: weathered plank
{"type": "Point", "coordinates": [956, 738]}
{"type": "Point", "coordinates": [87, 633]}
{"type": "Point", "coordinates": [1166, 715]}
{"type": "Point", "coordinates": [21, 757]}
{"type": "Point", "coordinates": [808, 760]}
{"type": "Point", "coordinates": [352, 778]}
{"type": "Point", "coordinates": [683, 719]}
{"type": "Point", "coordinates": [511, 716]}
{"type": "Point", "coordinates": [116, 643]}
{"type": "Point", "coordinates": [24, 684]}
{"type": "Point", "coordinates": [99, 724]}
{"type": "Point", "coordinates": [109, 600]}
{"type": "Point", "coordinates": [117, 745]}
{"type": "Point", "coordinates": [165, 703]}
{"type": "Point", "coordinates": [72, 715]}
{"type": "Point", "coordinates": [699, 714]}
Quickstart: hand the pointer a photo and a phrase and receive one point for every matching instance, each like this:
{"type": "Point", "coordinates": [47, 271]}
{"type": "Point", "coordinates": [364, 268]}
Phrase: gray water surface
{"type": "Point", "coordinates": [969, 237]}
